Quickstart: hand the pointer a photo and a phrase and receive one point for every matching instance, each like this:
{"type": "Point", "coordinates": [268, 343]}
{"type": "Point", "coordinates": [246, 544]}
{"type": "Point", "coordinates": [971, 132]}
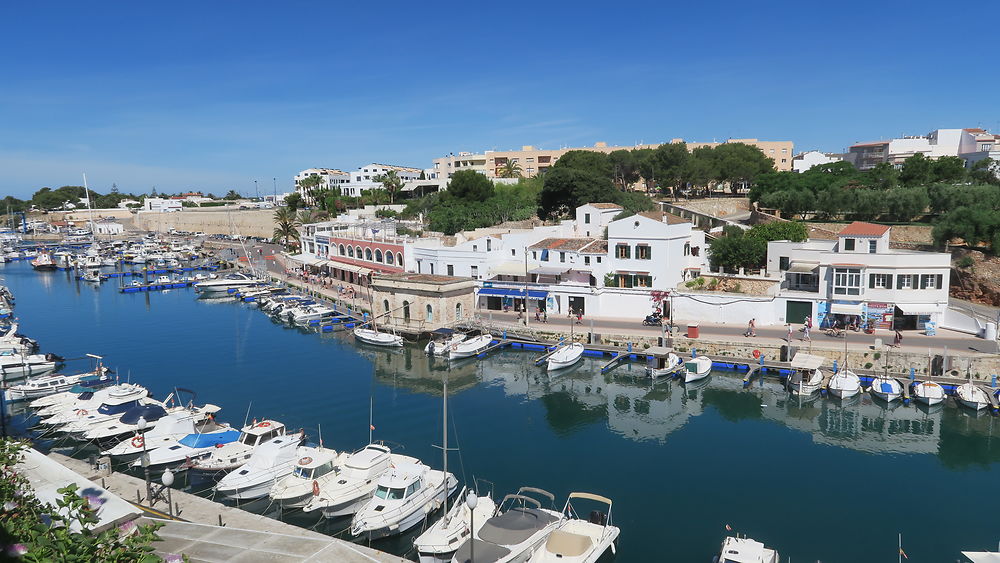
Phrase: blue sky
{"type": "Point", "coordinates": [212, 95]}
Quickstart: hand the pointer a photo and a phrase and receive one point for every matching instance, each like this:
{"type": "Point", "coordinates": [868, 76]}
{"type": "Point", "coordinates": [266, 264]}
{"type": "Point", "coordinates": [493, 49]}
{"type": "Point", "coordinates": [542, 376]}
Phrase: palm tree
{"type": "Point", "coordinates": [285, 226]}
{"type": "Point", "coordinates": [308, 185]}
{"type": "Point", "coordinates": [307, 216]}
{"type": "Point", "coordinates": [510, 169]}
{"type": "Point", "coordinates": [391, 182]}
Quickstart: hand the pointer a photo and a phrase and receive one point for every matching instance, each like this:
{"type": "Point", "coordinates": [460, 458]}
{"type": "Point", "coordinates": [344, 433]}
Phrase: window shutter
{"type": "Point", "coordinates": [871, 281]}
{"type": "Point", "coordinates": [940, 280]}
{"type": "Point", "coordinates": [899, 281]}
{"type": "Point", "coordinates": [916, 281]}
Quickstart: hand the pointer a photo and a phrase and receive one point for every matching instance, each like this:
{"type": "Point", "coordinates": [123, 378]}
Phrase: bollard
{"type": "Point", "coordinates": [220, 521]}
{"type": "Point", "coordinates": [694, 352]}
{"type": "Point", "coordinates": [994, 384]}
{"type": "Point", "coordinates": [629, 347]}
{"type": "Point", "coordinates": [835, 370]}
{"type": "Point", "coordinates": [913, 375]}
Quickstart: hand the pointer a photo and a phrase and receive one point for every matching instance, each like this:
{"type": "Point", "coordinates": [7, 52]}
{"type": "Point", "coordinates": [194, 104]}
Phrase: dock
{"type": "Point", "coordinates": [495, 346]}
{"type": "Point", "coordinates": [155, 286]}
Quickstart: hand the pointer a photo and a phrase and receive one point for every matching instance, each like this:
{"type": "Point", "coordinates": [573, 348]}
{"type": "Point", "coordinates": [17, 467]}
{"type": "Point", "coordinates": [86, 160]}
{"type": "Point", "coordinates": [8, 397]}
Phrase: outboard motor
{"type": "Point", "coordinates": [598, 517]}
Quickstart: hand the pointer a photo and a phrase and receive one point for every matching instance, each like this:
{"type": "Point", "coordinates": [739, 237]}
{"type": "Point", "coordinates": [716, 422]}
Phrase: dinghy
{"type": "Point", "coordinates": [470, 347]}
{"type": "Point", "coordinates": [565, 356]}
{"type": "Point", "coordinates": [928, 393]}
{"type": "Point", "coordinates": [886, 388]}
{"type": "Point", "coordinates": [576, 540]}
{"type": "Point", "coordinates": [697, 368]}
{"type": "Point", "coordinates": [844, 384]}
{"type": "Point", "coordinates": [971, 396]}
{"type": "Point", "coordinates": [377, 338]}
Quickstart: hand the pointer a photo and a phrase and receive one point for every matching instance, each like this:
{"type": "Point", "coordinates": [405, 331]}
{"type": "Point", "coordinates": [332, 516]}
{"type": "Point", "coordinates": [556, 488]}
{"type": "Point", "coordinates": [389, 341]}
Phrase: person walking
{"type": "Point", "coordinates": [789, 336]}
{"type": "Point", "coordinates": [752, 328]}
{"type": "Point", "coordinates": [545, 316]}
{"type": "Point", "coordinates": [897, 340]}
{"type": "Point", "coordinates": [805, 333]}
{"type": "Point", "coordinates": [579, 317]}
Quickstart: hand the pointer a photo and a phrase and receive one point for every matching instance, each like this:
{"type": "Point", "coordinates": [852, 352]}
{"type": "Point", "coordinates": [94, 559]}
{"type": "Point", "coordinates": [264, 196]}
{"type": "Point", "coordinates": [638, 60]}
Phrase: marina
{"type": "Point", "coordinates": [610, 427]}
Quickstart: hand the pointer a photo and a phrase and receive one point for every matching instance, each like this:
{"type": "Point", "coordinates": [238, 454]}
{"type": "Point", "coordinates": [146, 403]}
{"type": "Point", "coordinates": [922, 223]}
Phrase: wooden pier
{"type": "Point", "coordinates": [494, 346]}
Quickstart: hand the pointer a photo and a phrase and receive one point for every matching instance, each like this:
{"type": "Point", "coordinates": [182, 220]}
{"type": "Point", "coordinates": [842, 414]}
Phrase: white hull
{"type": "Point", "coordinates": [565, 357]}
{"type": "Point", "coordinates": [348, 507]}
{"type": "Point", "coordinates": [928, 393]}
{"type": "Point", "coordinates": [697, 368]}
{"type": "Point", "coordinates": [888, 390]}
{"type": "Point", "coordinates": [376, 338]}
{"type": "Point", "coordinates": [398, 519]}
{"type": "Point", "coordinates": [972, 397]}
{"type": "Point", "coordinates": [249, 492]}
{"type": "Point", "coordinates": [471, 347]}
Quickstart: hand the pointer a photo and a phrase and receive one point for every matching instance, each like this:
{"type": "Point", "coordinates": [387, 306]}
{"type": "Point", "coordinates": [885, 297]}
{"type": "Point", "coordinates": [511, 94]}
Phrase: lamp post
{"type": "Point", "coordinates": [256, 189]}
{"type": "Point", "coordinates": [141, 424]}
{"type": "Point", "coordinates": [168, 480]}
{"type": "Point", "coordinates": [471, 500]}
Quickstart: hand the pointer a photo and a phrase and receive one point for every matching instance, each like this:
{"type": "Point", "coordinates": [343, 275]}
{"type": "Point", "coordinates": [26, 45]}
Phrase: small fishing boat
{"type": "Point", "coordinates": [844, 384]}
{"type": "Point", "coordinates": [745, 550]}
{"type": "Point", "coordinates": [234, 454]}
{"type": "Point", "coordinates": [564, 356]}
{"type": "Point", "coordinates": [439, 543]}
{"type": "Point", "coordinates": [469, 347]}
{"type": "Point", "coordinates": [928, 393]}
{"type": "Point", "coordinates": [807, 377]}
{"type": "Point", "coordinates": [403, 496]}
{"type": "Point", "coordinates": [45, 385]}
{"type": "Point", "coordinates": [16, 366]}
{"type": "Point", "coordinates": [886, 388]}
{"type": "Point", "coordinates": [697, 368]}
{"type": "Point", "coordinates": [661, 361]}
{"type": "Point", "coordinates": [314, 465]}
{"type": "Point", "coordinates": [43, 262]}
{"type": "Point", "coordinates": [270, 462]}
{"type": "Point", "coordinates": [441, 341]}
{"type": "Point", "coordinates": [353, 482]}
{"type": "Point", "coordinates": [576, 540]}
{"type": "Point", "coordinates": [377, 338]}
{"type": "Point", "coordinates": [515, 530]}
{"type": "Point", "coordinates": [972, 396]}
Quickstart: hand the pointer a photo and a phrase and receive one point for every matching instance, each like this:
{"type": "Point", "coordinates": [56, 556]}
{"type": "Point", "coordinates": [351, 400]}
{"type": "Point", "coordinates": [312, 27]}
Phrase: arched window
{"type": "Point", "coordinates": [350, 251]}
{"type": "Point", "coordinates": [342, 251]}
{"type": "Point", "coordinates": [406, 311]}
{"type": "Point", "coordinates": [399, 259]}
{"type": "Point", "coordinates": [430, 314]}
{"type": "Point", "coordinates": [385, 304]}
{"type": "Point", "coordinates": [458, 311]}
{"type": "Point", "coordinates": [368, 254]}
{"type": "Point", "coordinates": [388, 258]}
{"type": "Point", "coordinates": [357, 252]}
{"type": "Point", "coordinates": [378, 255]}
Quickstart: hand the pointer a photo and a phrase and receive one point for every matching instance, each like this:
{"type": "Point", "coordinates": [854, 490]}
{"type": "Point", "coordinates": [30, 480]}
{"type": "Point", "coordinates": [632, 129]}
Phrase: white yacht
{"type": "Point", "coordinates": [439, 543]}
{"type": "Point", "coordinates": [269, 462]}
{"type": "Point", "coordinates": [114, 400]}
{"type": "Point", "coordinates": [46, 385]}
{"type": "Point", "coordinates": [404, 495]}
{"type": "Point", "coordinates": [114, 430]}
{"type": "Point", "coordinates": [928, 393]}
{"type": "Point", "coordinates": [517, 528]}
{"type": "Point", "coordinates": [109, 415]}
{"type": "Point", "coordinates": [174, 452]}
{"type": "Point", "coordinates": [565, 356]}
{"type": "Point", "coordinates": [745, 550]}
{"type": "Point", "coordinates": [167, 431]}
{"type": "Point", "coordinates": [302, 315]}
{"type": "Point", "coordinates": [235, 280]}
{"type": "Point", "coordinates": [576, 540]}
{"type": "Point", "coordinates": [16, 366]}
{"type": "Point", "coordinates": [314, 465]}
{"type": "Point", "coordinates": [807, 377]}
{"type": "Point", "coordinates": [470, 347]}
{"type": "Point", "coordinates": [442, 340]}
{"type": "Point", "coordinates": [378, 338]}
{"type": "Point", "coordinates": [78, 398]}
{"type": "Point", "coordinates": [972, 396]}
{"type": "Point", "coordinates": [697, 368]}
{"type": "Point", "coordinates": [844, 384]}
{"type": "Point", "coordinates": [353, 482]}
{"type": "Point", "coordinates": [234, 454]}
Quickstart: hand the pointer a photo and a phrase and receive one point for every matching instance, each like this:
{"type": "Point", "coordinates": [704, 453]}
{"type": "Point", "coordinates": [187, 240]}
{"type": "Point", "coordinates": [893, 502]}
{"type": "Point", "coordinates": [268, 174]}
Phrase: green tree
{"type": "Point", "coordinates": [593, 162]}
{"type": "Point", "coordinates": [231, 195]}
{"type": "Point", "coordinates": [903, 204]}
{"type": "Point", "coordinates": [309, 185]}
{"type": "Point", "coordinates": [779, 230]}
{"type": "Point", "coordinates": [391, 182]}
{"type": "Point", "coordinates": [469, 185]}
{"type": "Point", "coordinates": [917, 171]}
{"type": "Point", "coordinates": [740, 164]}
{"type": "Point", "coordinates": [670, 161]}
{"type": "Point", "coordinates": [985, 171]}
{"type": "Point", "coordinates": [624, 168]}
{"type": "Point", "coordinates": [701, 168]}
{"type": "Point", "coordinates": [510, 169]}
{"type": "Point", "coordinates": [949, 169]}
{"type": "Point", "coordinates": [972, 225]}
{"type": "Point", "coordinates": [883, 176]}
{"type": "Point", "coordinates": [293, 201]}
{"type": "Point", "coordinates": [567, 188]}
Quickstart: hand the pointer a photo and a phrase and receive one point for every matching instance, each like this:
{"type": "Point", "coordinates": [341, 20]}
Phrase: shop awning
{"type": "Point", "coordinates": [346, 267]}
{"type": "Point", "coordinates": [549, 271]}
{"type": "Point", "coordinates": [517, 293]}
{"type": "Point", "coordinates": [306, 259]}
{"type": "Point", "coordinates": [845, 308]}
{"type": "Point", "coordinates": [803, 267]}
{"type": "Point", "coordinates": [510, 268]}
{"type": "Point", "coordinates": [917, 308]}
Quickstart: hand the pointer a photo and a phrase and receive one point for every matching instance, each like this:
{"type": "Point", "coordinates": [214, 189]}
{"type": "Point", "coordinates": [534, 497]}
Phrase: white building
{"type": "Point", "coordinates": [106, 227]}
{"type": "Point", "coordinates": [161, 205]}
{"type": "Point", "coordinates": [964, 143]}
{"type": "Point", "coordinates": [805, 161]}
{"type": "Point", "coordinates": [858, 277]}
{"type": "Point", "coordinates": [329, 178]}
{"type": "Point", "coordinates": [364, 178]}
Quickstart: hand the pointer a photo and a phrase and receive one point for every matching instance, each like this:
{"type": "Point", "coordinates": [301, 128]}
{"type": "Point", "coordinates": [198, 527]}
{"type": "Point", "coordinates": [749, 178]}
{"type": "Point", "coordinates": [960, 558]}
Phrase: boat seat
{"type": "Point", "coordinates": [568, 544]}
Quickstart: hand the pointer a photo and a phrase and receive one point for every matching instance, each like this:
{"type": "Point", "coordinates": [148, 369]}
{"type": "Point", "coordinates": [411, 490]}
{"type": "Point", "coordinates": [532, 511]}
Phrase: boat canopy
{"type": "Point", "coordinates": [117, 409]}
{"type": "Point", "coordinates": [209, 440]}
{"type": "Point", "coordinates": [149, 412]}
{"type": "Point", "coordinates": [806, 361]}
{"type": "Point", "coordinates": [658, 351]}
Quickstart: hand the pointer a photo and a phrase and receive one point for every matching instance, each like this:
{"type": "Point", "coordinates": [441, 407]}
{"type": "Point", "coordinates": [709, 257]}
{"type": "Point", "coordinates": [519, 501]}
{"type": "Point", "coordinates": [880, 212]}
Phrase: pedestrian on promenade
{"type": "Point", "coordinates": [545, 316]}
{"type": "Point", "coordinates": [579, 317]}
{"type": "Point", "coordinates": [898, 339]}
{"type": "Point", "coordinates": [538, 315]}
{"type": "Point", "coordinates": [805, 333]}
{"type": "Point", "coordinates": [789, 337]}
{"type": "Point", "coordinates": [751, 328]}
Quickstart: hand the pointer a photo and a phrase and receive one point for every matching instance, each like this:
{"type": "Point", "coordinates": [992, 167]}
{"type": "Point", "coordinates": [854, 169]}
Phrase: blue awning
{"type": "Point", "coordinates": [494, 291]}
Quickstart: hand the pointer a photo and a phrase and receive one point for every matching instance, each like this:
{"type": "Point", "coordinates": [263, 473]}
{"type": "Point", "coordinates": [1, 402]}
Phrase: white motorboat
{"type": "Point", "coordinates": [439, 543]}
{"type": "Point", "coordinates": [972, 396]}
{"type": "Point", "coordinates": [404, 495]}
{"type": "Point", "coordinates": [45, 385]}
{"type": "Point", "coordinates": [80, 397]}
{"type": "Point", "coordinates": [697, 368]}
{"type": "Point", "coordinates": [745, 550]}
{"type": "Point", "coordinates": [270, 462]}
{"type": "Point", "coordinates": [442, 340]}
{"type": "Point", "coordinates": [16, 366]}
{"type": "Point", "coordinates": [92, 276]}
{"type": "Point", "coordinates": [353, 482]}
{"type": "Point", "coordinates": [175, 452]}
{"type": "Point", "coordinates": [43, 261]}
{"type": "Point", "coordinates": [109, 414]}
{"type": "Point", "coordinates": [167, 432]}
{"type": "Point", "coordinates": [577, 540]}
{"type": "Point", "coordinates": [928, 393]}
{"type": "Point", "coordinates": [565, 356]}
{"type": "Point", "coordinates": [234, 454]}
{"type": "Point", "coordinates": [234, 281]}
{"type": "Point", "coordinates": [302, 315]}
{"type": "Point", "coordinates": [886, 388]}
{"type": "Point", "coordinates": [129, 422]}
{"type": "Point", "coordinates": [516, 529]}
{"type": "Point", "coordinates": [314, 465]}
{"type": "Point", "coordinates": [807, 377]}
{"type": "Point", "coordinates": [661, 361]}
{"type": "Point", "coordinates": [110, 401]}
{"type": "Point", "coordinates": [469, 347]}
{"type": "Point", "coordinates": [844, 384]}
{"type": "Point", "coordinates": [378, 338]}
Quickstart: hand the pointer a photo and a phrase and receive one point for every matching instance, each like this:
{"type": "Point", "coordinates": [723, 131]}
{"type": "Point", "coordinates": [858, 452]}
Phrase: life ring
{"type": "Point", "coordinates": [315, 488]}
{"type": "Point", "coordinates": [305, 461]}
{"type": "Point", "coordinates": [756, 354]}
{"type": "Point", "coordinates": [81, 412]}
{"type": "Point", "coordinates": [138, 442]}
{"type": "Point", "coordinates": [264, 424]}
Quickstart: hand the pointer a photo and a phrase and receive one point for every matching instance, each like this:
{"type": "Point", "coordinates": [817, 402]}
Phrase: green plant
{"type": "Point", "coordinates": [877, 356]}
{"type": "Point", "coordinates": [868, 365]}
{"type": "Point", "coordinates": [966, 262]}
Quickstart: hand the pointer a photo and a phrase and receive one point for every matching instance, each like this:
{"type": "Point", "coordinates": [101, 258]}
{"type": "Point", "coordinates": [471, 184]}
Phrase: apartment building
{"type": "Point", "coordinates": [533, 161]}
{"type": "Point", "coordinates": [355, 182]}
{"type": "Point", "coordinates": [804, 161]}
{"type": "Point", "coordinates": [971, 145]}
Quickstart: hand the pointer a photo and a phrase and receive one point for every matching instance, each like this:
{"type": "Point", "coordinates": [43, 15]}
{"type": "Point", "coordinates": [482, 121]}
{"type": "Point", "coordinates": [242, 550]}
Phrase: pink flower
{"type": "Point", "coordinates": [16, 550]}
{"type": "Point", "coordinates": [173, 558]}
{"type": "Point", "coordinates": [9, 506]}
{"type": "Point", "coordinates": [127, 528]}
{"type": "Point", "coordinates": [94, 501]}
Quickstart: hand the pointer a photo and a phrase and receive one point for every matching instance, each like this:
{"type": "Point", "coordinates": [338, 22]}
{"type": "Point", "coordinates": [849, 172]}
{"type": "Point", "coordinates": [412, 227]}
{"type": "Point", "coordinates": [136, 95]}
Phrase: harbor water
{"type": "Point", "coordinates": [818, 480]}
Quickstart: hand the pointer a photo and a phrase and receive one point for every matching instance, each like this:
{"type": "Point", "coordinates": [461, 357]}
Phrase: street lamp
{"type": "Point", "coordinates": [168, 480]}
{"type": "Point", "coordinates": [471, 500]}
{"type": "Point", "coordinates": [256, 190]}
{"type": "Point", "coordinates": [141, 424]}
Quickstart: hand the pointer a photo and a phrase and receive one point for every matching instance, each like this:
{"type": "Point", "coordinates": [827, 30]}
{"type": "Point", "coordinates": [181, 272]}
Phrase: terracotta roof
{"type": "Point", "coordinates": [861, 229]}
{"type": "Point", "coordinates": [605, 205]}
{"type": "Point", "coordinates": [561, 244]}
{"type": "Point", "coordinates": [596, 247]}
{"type": "Point", "coordinates": [872, 144]}
{"type": "Point", "coordinates": [664, 217]}
{"type": "Point", "coordinates": [975, 130]}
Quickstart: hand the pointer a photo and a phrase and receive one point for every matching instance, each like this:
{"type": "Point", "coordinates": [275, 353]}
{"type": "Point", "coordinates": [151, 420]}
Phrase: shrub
{"type": "Point", "coordinates": [966, 262]}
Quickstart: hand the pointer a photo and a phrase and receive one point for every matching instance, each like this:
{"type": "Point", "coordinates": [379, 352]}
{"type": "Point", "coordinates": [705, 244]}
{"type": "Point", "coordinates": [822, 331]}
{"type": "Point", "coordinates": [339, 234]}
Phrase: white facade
{"type": "Point", "coordinates": [161, 205]}
{"type": "Point", "coordinates": [330, 178]}
{"type": "Point", "coordinates": [364, 177]}
{"type": "Point", "coordinates": [591, 219]}
{"type": "Point", "coordinates": [106, 227]}
{"type": "Point", "coordinates": [806, 160]}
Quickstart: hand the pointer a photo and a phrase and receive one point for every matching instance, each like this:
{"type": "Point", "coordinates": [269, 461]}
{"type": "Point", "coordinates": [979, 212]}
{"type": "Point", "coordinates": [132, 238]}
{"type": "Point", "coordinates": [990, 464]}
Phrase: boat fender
{"type": "Point", "coordinates": [305, 461]}
{"type": "Point", "coordinates": [138, 441]}
{"type": "Point", "coordinates": [218, 445]}
{"type": "Point", "coordinates": [315, 488]}
{"type": "Point", "coordinates": [756, 354]}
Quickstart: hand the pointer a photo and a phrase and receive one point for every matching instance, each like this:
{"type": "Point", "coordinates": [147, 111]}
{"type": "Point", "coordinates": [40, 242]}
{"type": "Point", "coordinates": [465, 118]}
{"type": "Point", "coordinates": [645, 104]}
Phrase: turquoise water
{"type": "Point", "coordinates": [818, 481]}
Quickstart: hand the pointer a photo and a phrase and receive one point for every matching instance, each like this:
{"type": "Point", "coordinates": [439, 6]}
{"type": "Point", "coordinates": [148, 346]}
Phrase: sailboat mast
{"type": "Point", "coordinates": [90, 208]}
{"type": "Point", "coordinates": [444, 440]}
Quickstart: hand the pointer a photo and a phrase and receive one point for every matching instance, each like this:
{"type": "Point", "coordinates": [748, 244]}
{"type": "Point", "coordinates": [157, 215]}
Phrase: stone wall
{"type": "Point", "coordinates": [245, 222]}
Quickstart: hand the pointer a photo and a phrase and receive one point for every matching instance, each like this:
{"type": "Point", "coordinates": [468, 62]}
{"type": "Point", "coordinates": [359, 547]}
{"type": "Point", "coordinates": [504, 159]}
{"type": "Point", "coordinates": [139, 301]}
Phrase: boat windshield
{"type": "Point", "coordinates": [323, 469]}
{"type": "Point", "coordinates": [304, 472]}
{"type": "Point", "coordinates": [248, 439]}
{"type": "Point", "coordinates": [389, 493]}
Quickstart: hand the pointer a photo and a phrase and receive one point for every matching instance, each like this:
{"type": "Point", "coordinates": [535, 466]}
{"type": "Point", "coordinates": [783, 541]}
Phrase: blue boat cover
{"type": "Point", "coordinates": [887, 388]}
{"type": "Point", "coordinates": [210, 439]}
{"type": "Point", "coordinates": [149, 412]}
{"type": "Point", "coordinates": [117, 409]}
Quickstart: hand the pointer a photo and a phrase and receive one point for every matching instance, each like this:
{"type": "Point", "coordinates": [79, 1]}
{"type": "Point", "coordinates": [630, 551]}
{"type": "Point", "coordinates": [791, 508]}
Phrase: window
{"type": "Point", "coordinates": [489, 245]}
{"type": "Point", "coordinates": [872, 246]}
{"type": "Point", "coordinates": [388, 258]}
{"type": "Point", "coordinates": [904, 281]}
{"type": "Point", "coordinates": [475, 248]}
{"type": "Point", "coordinates": [399, 259]}
{"type": "Point", "coordinates": [451, 270]}
{"type": "Point", "coordinates": [406, 311]}
{"type": "Point", "coordinates": [562, 256]}
{"type": "Point", "coordinates": [458, 311]}
{"type": "Point", "coordinates": [512, 252]}
{"type": "Point", "coordinates": [931, 281]}
{"type": "Point", "coordinates": [687, 249]}
{"type": "Point", "coordinates": [475, 272]}
{"type": "Point", "coordinates": [350, 251]}
{"type": "Point", "coordinates": [342, 250]}
{"type": "Point", "coordinates": [529, 159]}
{"type": "Point", "coordinates": [357, 252]}
{"type": "Point", "coordinates": [848, 244]}
{"type": "Point", "coordinates": [643, 252]}
{"type": "Point", "coordinates": [586, 260]}
{"type": "Point", "coordinates": [586, 218]}
{"type": "Point", "coordinates": [598, 259]}
{"type": "Point", "coordinates": [783, 263]}
{"type": "Point", "coordinates": [368, 254]}
{"type": "Point", "coordinates": [534, 255]}
{"type": "Point", "coordinates": [385, 305]}
{"type": "Point", "coordinates": [378, 255]}
{"type": "Point", "coordinates": [430, 314]}
{"type": "Point", "coordinates": [880, 281]}
{"type": "Point", "coordinates": [432, 268]}
{"type": "Point", "coordinates": [623, 251]}
{"type": "Point", "coordinates": [847, 281]}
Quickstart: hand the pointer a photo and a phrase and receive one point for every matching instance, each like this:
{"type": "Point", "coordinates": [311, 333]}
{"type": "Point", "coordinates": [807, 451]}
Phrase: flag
{"type": "Point", "coordinates": [729, 528]}
{"type": "Point", "coordinates": [372, 427]}
{"type": "Point", "coordinates": [903, 553]}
